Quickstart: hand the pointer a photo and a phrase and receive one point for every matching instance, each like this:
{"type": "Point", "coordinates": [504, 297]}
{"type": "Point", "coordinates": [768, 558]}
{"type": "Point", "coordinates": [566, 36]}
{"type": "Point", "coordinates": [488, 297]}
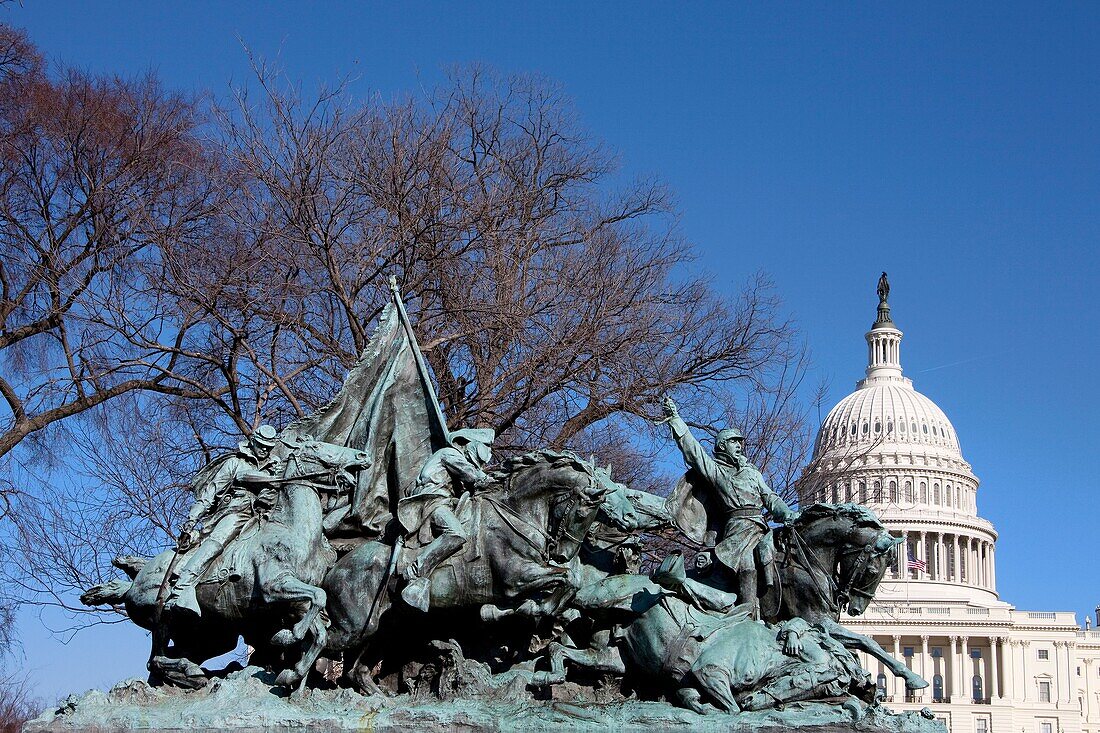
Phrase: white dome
{"type": "Point", "coordinates": [880, 415]}
{"type": "Point", "coordinates": [891, 448]}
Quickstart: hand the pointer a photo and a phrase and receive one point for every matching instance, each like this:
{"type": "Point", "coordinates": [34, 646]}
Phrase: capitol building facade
{"type": "Point", "coordinates": [990, 667]}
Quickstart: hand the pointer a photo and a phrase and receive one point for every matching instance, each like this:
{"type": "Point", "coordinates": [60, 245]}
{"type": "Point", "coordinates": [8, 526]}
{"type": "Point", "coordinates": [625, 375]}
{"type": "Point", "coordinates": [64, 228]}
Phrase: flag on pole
{"type": "Point", "coordinates": [915, 564]}
{"type": "Point", "coordinates": [387, 408]}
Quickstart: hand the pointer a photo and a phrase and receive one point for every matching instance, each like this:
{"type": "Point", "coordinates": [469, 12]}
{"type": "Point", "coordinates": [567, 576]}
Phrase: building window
{"type": "Point", "coordinates": [1046, 728]}
{"type": "Point", "coordinates": [936, 494]}
{"type": "Point", "coordinates": [923, 493]}
{"type": "Point", "coordinates": [907, 652]}
{"type": "Point", "coordinates": [1044, 691]}
{"type": "Point", "coordinates": [1044, 654]}
{"type": "Point", "coordinates": [881, 684]}
{"type": "Point", "coordinates": [894, 492]}
{"type": "Point", "coordinates": [981, 725]}
{"type": "Point", "coordinates": [976, 684]}
{"type": "Point", "coordinates": [937, 652]}
{"type": "Point", "coordinates": [909, 491]}
{"type": "Point", "coordinates": [975, 653]}
{"type": "Point", "coordinates": [937, 688]}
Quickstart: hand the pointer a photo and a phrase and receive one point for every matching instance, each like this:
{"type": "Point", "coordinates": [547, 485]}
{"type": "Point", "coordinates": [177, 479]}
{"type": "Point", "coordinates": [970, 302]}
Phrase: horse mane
{"type": "Point", "coordinates": [541, 456]}
{"type": "Point", "coordinates": [860, 515]}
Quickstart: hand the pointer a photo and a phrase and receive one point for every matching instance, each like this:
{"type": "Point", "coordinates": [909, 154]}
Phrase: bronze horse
{"type": "Point", "coordinates": [522, 558]}
{"type": "Point", "coordinates": [832, 559]}
{"type": "Point", "coordinates": [265, 587]}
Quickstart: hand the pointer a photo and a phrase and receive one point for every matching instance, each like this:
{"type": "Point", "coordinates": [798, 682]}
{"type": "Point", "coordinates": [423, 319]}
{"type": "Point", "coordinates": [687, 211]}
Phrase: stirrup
{"type": "Point", "coordinates": [417, 593]}
{"type": "Point", "coordinates": [183, 599]}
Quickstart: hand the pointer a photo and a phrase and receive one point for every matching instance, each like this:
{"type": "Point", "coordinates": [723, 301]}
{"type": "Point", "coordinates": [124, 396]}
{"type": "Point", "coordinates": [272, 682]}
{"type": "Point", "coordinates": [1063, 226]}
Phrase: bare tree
{"type": "Point", "coordinates": [17, 703]}
{"type": "Point", "coordinates": [550, 304]}
{"type": "Point", "coordinates": [95, 174]}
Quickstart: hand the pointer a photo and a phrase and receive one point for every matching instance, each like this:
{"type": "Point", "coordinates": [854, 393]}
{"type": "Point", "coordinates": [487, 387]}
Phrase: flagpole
{"type": "Point", "coordinates": [421, 364]}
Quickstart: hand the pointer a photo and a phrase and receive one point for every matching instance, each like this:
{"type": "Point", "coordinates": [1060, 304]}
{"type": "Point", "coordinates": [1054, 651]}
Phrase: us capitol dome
{"type": "Point", "coordinates": [990, 667]}
{"type": "Point", "coordinates": [891, 448]}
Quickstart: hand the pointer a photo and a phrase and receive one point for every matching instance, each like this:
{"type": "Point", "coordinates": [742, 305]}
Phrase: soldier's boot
{"type": "Point", "coordinates": [182, 597]}
{"type": "Point", "coordinates": [418, 592]}
{"type": "Point", "coordinates": [672, 576]}
{"type": "Point", "coordinates": [747, 589]}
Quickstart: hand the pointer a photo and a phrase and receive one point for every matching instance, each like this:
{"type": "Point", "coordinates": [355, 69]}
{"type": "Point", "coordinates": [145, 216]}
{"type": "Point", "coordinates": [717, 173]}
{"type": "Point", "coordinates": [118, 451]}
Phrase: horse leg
{"type": "Point", "coordinates": [692, 699]}
{"type": "Point", "coordinates": [601, 657]}
{"type": "Point", "coordinates": [288, 589]}
{"type": "Point", "coordinates": [852, 640]}
{"type": "Point", "coordinates": [358, 672]}
{"type": "Point", "coordinates": [318, 634]}
{"type": "Point", "coordinates": [804, 682]}
{"type": "Point", "coordinates": [715, 680]}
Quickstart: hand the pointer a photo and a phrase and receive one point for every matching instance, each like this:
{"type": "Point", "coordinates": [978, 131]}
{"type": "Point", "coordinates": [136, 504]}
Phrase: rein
{"type": "Point", "coordinates": [835, 596]}
{"type": "Point", "coordinates": [508, 515]}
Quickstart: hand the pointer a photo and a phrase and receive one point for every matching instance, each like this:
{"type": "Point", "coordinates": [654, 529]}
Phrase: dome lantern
{"type": "Point", "coordinates": [883, 343]}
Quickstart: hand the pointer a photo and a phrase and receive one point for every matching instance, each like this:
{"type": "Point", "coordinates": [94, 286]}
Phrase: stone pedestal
{"type": "Point", "coordinates": [245, 701]}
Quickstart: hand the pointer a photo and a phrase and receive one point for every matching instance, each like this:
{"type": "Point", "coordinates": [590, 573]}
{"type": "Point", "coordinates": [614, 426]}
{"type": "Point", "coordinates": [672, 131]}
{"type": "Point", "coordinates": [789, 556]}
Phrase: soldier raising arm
{"type": "Point", "coordinates": [741, 494]}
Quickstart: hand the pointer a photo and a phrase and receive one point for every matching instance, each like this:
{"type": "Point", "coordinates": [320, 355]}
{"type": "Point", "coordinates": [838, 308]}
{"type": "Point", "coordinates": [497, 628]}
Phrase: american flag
{"type": "Point", "coordinates": [915, 564]}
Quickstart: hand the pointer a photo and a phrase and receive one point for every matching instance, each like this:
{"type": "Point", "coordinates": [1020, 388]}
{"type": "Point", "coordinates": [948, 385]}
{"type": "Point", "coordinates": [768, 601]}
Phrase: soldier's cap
{"type": "Point", "coordinates": [485, 436]}
{"type": "Point", "coordinates": [265, 435]}
{"type": "Point", "coordinates": [727, 434]}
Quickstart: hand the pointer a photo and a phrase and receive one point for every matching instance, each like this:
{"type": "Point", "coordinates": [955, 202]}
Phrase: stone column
{"type": "Point", "coordinates": [994, 683]}
{"type": "Point", "coordinates": [1010, 667]}
{"type": "Point", "coordinates": [1068, 647]}
{"type": "Point", "coordinates": [965, 684]}
{"type": "Point", "coordinates": [1059, 683]}
{"type": "Point", "coordinates": [981, 564]}
{"type": "Point", "coordinates": [924, 660]}
{"type": "Point", "coordinates": [953, 688]}
{"type": "Point", "coordinates": [956, 568]}
{"type": "Point", "coordinates": [940, 564]}
{"type": "Point", "coordinates": [924, 552]}
{"type": "Point", "coordinates": [1088, 689]}
{"type": "Point", "coordinates": [1023, 669]}
{"type": "Point", "coordinates": [985, 564]}
{"type": "Point", "coordinates": [899, 683]}
{"type": "Point", "coordinates": [903, 556]}
{"type": "Point", "coordinates": [992, 566]}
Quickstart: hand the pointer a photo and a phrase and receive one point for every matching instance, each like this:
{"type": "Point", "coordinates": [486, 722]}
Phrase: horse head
{"type": "Point", "coordinates": [851, 542]}
{"type": "Point", "coordinates": [566, 493]}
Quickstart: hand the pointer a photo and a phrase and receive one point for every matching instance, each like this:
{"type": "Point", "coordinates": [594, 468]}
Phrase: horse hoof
{"type": "Point", "coordinates": [915, 683]}
{"type": "Point", "coordinates": [490, 613]}
{"type": "Point", "coordinates": [287, 678]}
{"type": "Point", "coordinates": [546, 679]}
{"type": "Point", "coordinates": [854, 708]}
{"type": "Point", "coordinates": [284, 638]}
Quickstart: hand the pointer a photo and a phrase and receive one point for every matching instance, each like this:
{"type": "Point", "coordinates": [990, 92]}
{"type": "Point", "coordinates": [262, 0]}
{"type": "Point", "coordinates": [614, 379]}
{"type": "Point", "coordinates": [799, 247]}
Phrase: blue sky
{"type": "Point", "coordinates": [955, 147]}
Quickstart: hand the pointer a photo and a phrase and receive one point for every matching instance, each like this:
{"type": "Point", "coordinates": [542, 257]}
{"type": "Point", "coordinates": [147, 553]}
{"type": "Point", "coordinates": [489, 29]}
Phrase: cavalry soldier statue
{"type": "Point", "coordinates": [427, 513]}
{"type": "Point", "coordinates": [737, 493]}
{"type": "Point", "coordinates": [242, 485]}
